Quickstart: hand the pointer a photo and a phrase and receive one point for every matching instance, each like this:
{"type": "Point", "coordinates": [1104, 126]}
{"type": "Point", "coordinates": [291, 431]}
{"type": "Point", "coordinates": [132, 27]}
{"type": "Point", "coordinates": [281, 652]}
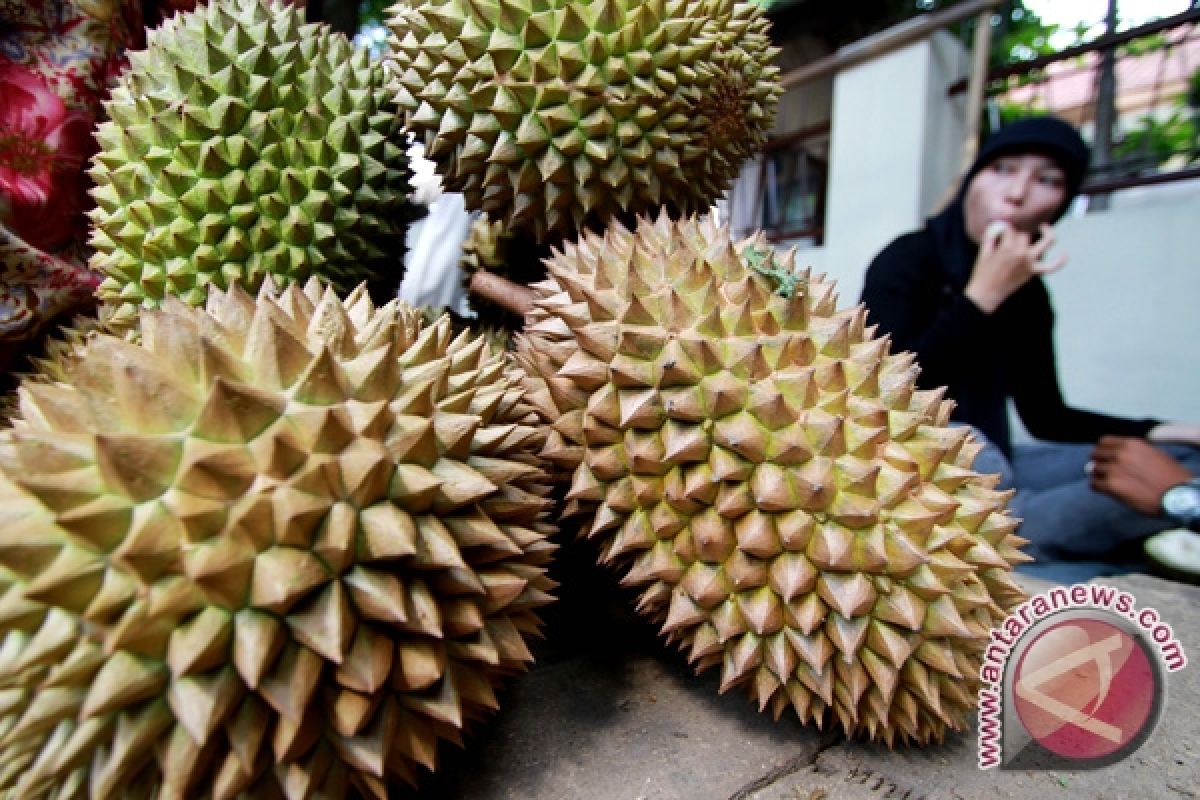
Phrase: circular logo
{"type": "Point", "coordinates": [1087, 689]}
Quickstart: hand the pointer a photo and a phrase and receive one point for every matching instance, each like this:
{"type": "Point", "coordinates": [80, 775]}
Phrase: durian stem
{"type": "Point", "coordinates": [510, 296]}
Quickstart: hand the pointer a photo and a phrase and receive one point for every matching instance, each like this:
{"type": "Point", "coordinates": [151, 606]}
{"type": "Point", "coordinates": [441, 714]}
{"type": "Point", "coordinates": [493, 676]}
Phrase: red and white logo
{"type": "Point", "coordinates": [1073, 678]}
{"type": "Point", "coordinates": [1086, 689]}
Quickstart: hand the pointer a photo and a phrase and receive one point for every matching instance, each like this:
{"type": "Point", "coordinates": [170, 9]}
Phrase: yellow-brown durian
{"type": "Point", "coordinates": [763, 472]}
{"type": "Point", "coordinates": [275, 548]}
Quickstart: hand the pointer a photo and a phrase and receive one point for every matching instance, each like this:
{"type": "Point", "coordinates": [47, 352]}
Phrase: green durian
{"type": "Point", "coordinates": [551, 115]}
{"type": "Point", "coordinates": [243, 142]}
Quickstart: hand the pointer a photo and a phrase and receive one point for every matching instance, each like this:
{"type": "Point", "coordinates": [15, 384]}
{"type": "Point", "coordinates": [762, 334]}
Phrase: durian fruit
{"type": "Point", "coordinates": [63, 343]}
{"type": "Point", "coordinates": [57, 347]}
{"type": "Point", "coordinates": [242, 143]}
{"type": "Point", "coordinates": [489, 248]}
{"type": "Point", "coordinates": [498, 339]}
{"type": "Point", "coordinates": [549, 115]}
{"type": "Point", "coordinates": [761, 470]}
{"type": "Point", "coordinates": [275, 548]}
{"type": "Point", "coordinates": [484, 247]}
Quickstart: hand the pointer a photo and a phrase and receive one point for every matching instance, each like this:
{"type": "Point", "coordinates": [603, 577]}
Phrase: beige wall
{"type": "Point", "coordinates": [896, 144]}
{"type": "Point", "coordinates": [1128, 307]}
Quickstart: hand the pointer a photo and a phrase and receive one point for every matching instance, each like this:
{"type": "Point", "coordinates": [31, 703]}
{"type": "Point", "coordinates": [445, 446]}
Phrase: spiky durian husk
{"type": "Point", "coordinates": [274, 548]}
{"type": "Point", "coordinates": [549, 115]}
{"type": "Point", "coordinates": [490, 248]}
{"type": "Point", "coordinates": [63, 344]}
{"type": "Point", "coordinates": [761, 469]}
{"type": "Point", "coordinates": [484, 247]}
{"type": "Point", "coordinates": [58, 348]}
{"type": "Point", "coordinates": [241, 143]}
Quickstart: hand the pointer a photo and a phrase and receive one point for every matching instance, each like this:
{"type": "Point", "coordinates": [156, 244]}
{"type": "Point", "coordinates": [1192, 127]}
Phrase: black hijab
{"type": "Point", "coordinates": [1049, 136]}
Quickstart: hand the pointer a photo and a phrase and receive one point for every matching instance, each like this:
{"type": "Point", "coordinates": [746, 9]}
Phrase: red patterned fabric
{"type": "Point", "coordinates": [57, 59]}
{"type": "Point", "coordinates": [43, 148]}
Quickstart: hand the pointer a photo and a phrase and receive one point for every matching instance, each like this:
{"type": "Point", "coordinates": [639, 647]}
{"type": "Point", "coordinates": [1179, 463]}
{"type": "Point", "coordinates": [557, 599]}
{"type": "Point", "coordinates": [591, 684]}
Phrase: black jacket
{"type": "Point", "coordinates": [914, 292]}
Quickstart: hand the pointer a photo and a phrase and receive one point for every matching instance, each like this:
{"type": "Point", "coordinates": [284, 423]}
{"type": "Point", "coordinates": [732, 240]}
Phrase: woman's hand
{"type": "Point", "coordinates": [1135, 472]}
{"type": "Point", "coordinates": [1007, 259]}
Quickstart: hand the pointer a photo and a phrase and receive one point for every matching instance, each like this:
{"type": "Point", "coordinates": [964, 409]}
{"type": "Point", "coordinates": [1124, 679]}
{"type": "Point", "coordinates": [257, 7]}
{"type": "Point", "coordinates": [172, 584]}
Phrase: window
{"type": "Point", "coordinates": [794, 178]}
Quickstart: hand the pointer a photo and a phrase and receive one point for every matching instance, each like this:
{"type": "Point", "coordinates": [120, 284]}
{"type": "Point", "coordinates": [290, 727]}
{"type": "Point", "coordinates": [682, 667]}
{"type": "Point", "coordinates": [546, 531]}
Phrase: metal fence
{"type": "Point", "coordinates": [1145, 82]}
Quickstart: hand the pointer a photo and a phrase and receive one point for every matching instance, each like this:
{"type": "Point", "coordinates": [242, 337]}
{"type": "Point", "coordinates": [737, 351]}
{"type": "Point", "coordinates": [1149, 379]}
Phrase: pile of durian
{"type": "Point", "coordinates": [264, 536]}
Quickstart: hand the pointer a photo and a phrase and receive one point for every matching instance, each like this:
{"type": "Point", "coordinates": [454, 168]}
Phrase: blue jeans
{"type": "Point", "coordinates": [1062, 517]}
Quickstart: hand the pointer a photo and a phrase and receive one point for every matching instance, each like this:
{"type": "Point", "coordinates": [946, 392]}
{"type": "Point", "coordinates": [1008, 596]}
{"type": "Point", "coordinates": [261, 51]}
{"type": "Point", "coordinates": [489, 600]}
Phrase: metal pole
{"type": "Point", "coordinates": [976, 85]}
{"type": "Point", "coordinates": [976, 93]}
{"type": "Point", "coordinates": [1106, 111]}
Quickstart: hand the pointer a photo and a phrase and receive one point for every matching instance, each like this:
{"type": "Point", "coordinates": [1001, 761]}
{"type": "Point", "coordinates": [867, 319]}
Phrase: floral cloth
{"type": "Point", "coordinates": [57, 58]}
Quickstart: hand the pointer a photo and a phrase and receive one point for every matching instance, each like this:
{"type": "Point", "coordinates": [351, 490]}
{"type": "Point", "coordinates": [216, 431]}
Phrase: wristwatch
{"type": "Point", "coordinates": [1181, 503]}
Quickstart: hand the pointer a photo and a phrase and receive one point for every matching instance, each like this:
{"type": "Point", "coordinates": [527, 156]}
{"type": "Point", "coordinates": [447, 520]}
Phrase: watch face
{"type": "Point", "coordinates": [1182, 501]}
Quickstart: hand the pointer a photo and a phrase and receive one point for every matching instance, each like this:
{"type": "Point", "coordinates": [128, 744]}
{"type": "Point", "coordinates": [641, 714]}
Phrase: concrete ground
{"type": "Point", "coordinates": [609, 713]}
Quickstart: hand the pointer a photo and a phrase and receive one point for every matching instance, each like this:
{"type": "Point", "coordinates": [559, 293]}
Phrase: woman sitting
{"type": "Point", "coordinates": [965, 294]}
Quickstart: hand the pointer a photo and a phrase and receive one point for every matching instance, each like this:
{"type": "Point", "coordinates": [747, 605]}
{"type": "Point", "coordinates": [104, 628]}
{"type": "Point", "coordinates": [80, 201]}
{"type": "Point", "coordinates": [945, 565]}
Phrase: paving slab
{"type": "Point", "coordinates": [627, 723]}
{"type": "Point", "coordinates": [612, 714]}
